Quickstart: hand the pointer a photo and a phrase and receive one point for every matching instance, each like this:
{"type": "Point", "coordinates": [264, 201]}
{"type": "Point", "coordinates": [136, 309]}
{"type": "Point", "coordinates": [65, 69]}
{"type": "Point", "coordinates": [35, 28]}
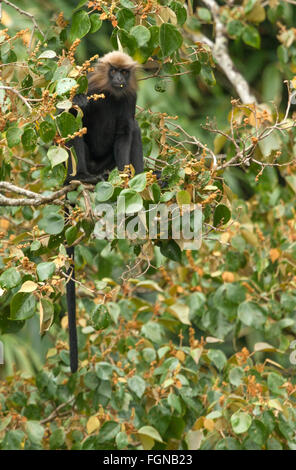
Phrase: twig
{"type": "Point", "coordinates": [25, 13]}
{"type": "Point", "coordinates": [55, 412]}
{"type": "Point", "coordinates": [3, 87]}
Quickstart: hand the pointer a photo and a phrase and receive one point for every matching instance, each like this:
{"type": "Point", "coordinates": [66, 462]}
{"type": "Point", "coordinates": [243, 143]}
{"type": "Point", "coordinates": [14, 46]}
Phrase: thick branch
{"type": "Point", "coordinates": [221, 55]}
{"type": "Point", "coordinates": [33, 199]}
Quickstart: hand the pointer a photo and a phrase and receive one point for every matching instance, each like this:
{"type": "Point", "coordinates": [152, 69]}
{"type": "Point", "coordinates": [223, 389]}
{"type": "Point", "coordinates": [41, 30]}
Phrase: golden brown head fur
{"type": "Point", "coordinates": [99, 78]}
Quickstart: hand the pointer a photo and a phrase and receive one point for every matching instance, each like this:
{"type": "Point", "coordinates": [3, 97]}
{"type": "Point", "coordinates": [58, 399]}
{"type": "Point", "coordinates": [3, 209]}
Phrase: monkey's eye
{"type": "Point", "coordinates": [125, 72]}
{"type": "Point", "coordinates": [112, 72]}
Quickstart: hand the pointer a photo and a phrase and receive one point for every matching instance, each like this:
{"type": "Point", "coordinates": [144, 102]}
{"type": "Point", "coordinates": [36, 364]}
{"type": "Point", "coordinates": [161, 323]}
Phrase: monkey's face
{"type": "Point", "coordinates": [119, 78]}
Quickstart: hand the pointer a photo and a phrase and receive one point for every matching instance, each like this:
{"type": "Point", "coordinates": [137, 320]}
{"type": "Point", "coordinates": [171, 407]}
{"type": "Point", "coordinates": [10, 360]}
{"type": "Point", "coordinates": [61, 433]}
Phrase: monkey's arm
{"type": "Point", "coordinates": [80, 147]}
{"type": "Point", "coordinates": [136, 154]}
{"type": "Point", "coordinates": [81, 101]}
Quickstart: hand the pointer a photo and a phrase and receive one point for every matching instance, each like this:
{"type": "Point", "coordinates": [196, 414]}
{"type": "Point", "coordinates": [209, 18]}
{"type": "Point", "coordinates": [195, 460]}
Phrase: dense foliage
{"type": "Point", "coordinates": [179, 348]}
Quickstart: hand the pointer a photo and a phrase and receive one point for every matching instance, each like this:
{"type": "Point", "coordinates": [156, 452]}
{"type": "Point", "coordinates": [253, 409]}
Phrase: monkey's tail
{"type": "Point", "coordinates": [71, 304]}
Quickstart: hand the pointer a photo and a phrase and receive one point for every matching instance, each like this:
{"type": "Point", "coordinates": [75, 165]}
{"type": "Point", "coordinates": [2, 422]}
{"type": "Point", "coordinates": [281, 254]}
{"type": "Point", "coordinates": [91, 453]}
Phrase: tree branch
{"type": "Point", "coordinates": [2, 87]}
{"type": "Point", "coordinates": [33, 199]}
{"type": "Point", "coordinates": [221, 55]}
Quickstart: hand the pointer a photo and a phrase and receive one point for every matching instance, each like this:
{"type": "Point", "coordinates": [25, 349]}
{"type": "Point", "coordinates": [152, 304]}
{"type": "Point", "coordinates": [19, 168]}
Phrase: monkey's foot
{"type": "Point", "coordinates": [89, 179]}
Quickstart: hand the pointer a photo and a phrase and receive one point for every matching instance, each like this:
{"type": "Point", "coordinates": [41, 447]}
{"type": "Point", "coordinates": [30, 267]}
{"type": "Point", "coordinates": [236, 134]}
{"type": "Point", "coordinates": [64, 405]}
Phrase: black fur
{"type": "Point", "coordinates": [113, 139]}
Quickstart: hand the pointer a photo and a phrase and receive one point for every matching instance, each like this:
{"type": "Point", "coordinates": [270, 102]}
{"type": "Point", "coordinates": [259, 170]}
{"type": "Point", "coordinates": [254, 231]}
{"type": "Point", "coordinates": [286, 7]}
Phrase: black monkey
{"type": "Point", "coordinates": [113, 139]}
{"type": "Point", "coordinates": [113, 136]}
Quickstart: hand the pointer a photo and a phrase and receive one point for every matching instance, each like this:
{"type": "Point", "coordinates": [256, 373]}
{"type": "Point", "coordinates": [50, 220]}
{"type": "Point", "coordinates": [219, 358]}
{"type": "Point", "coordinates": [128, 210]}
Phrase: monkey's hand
{"type": "Point", "coordinates": [81, 101]}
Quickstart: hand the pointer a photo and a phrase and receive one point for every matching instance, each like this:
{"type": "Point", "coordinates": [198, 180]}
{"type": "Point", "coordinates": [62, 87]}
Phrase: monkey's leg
{"type": "Point", "coordinates": [136, 155]}
{"type": "Point", "coordinates": [82, 154]}
{"type": "Point", "coordinates": [122, 149]}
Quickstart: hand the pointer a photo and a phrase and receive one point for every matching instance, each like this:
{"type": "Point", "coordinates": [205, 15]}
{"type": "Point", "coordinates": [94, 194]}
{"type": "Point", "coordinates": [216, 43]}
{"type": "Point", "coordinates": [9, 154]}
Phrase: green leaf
{"type": "Point", "coordinates": [91, 380]}
{"type": "Point", "coordinates": [150, 432]}
{"type": "Point", "coordinates": [126, 19]}
{"type": "Point", "coordinates": [61, 72]}
{"type": "Point", "coordinates": [160, 86]}
{"type": "Point", "coordinates": [171, 250]}
{"type": "Point", "coordinates": [251, 314]}
{"type": "Point", "coordinates": [13, 136]}
{"type": "Point", "coordinates": [156, 192]}
{"type": "Point", "coordinates": [222, 215]}
{"type": "Point", "coordinates": [127, 41]}
{"type": "Point", "coordinates": [80, 26]}
{"type": "Point", "coordinates": [121, 440]}
{"type": "Point", "coordinates": [83, 84]}
{"type": "Point", "coordinates": [49, 54]}
{"type": "Point", "coordinates": [141, 34]}
{"type": "Point", "coordinates": [127, 4]}
{"type": "Point", "coordinates": [235, 28]}
{"type": "Point", "coordinates": [71, 234]}
{"type": "Point", "coordinates": [108, 431]}
{"type": "Point", "coordinates": [167, 196]}
{"type": "Point", "coordinates": [5, 422]}
{"type": "Point", "coordinates": [22, 306]}
{"type": "Point", "coordinates": [45, 270]}
{"type": "Point", "coordinates": [104, 370]}
{"type": "Point", "coordinates": [80, 4]}
{"type": "Point", "coordinates": [47, 131]}
{"type": "Point", "coordinates": [149, 355]}
{"type": "Point", "coordinates": [35, 431]}
{"type": "Point", "coordinates": [10, 278]}
{"type": "Point", "coordinates": [29, 139]}
{"type": "Point", "coordinates": [180, 12]}
{"type": "Point", "coordinates": [57, 439]}
{"type": "Point", "coordinates": [64, 85]}
{"type": "Point", "coordinates": [258, 432]}
{"type": "Point", "coordinates": [67, 124]}
{"type": "Point", "coordinates": [274, 383]}
{"type": "Point", "coordinates": [175, 402]}
{"type": "Point", "coordinates": [133, 201]}
{"type": "Point", "coordinates": [137, 385]}
{"type": "Point", "coordinates": [138, 182]}
{"type": "Point", "coordinates": [204, 15]}
{"type": "Point", "coordinates": [35, 245]}
{"type": "Point", "coordinates": [183, 197]}
{"type": "Point", "coordinates": [104, 191]}
{"type": "Point", "coordinates": [48, 309]}
{"type": "Point", "coordinates": [52, 223]}
{"type": "Point", "coordinates": [251, 36]}
{"type": "Point", "coordinates": [13, 440]}
{"type": "Point", "coordinates": [218, 358]}
{"type": "Point", "coordinates": [283, 54]}
{"type": "Point", "coordinates": [240, 422]}
{"type": "Point", "coordinates": [208, 75]}
{"type": "Point", "coordinates": [180, 311]}
{"type": "Point", "coordinates": [57, 155]}
{"type": "Point", "coordinates": [170, 39]}
{"type": "Point", "coordinates": [114, 311]}
{"type": "Point", "coordinates": [153, 332]}
{"type": "Point", "coordinates": [274, 444]}
{"type": "Point", "coordinates": [270, 144]}
{"type": "Point", "coordinates": [250, 5]}
{"type": "Point", "coordinates": [235, 376]}
{"type": "Point", "coordinates": [95, 21]}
